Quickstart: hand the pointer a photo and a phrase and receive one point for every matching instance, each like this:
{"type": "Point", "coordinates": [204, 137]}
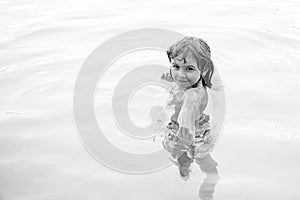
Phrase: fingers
{"type": "Point", "coordinates": [203, 149]}
{"type": "Point", "coordinates": [162, 76]}
{"type": "Point", "coordinates": [167, 77]}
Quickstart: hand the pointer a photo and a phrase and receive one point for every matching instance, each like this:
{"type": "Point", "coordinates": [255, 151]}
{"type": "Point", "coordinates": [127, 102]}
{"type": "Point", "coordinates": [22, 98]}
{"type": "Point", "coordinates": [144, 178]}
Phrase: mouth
{"type": "Point", "coordinates": [182, 81]}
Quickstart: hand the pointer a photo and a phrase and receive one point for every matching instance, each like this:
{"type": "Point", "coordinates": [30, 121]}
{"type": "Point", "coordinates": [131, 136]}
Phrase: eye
{"type": "Point", "coordinates": [190, 69]}
{"type": "Point", "coordinates": [176, 66]}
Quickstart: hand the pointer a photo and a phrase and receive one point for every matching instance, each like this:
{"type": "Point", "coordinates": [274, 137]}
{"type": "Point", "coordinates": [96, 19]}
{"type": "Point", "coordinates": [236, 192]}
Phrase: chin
{"type": "Point", "coordinates": [183, 85]}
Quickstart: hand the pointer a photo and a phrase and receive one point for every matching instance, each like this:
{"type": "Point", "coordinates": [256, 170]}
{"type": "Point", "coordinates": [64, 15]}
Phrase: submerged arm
{"type": "Point", "coordinates": [187, 116]}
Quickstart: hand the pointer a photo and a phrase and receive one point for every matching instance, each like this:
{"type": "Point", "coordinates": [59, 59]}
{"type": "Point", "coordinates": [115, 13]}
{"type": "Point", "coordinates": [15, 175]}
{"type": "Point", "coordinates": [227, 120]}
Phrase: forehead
{"type": "Point", "coordinates": [188, 60]}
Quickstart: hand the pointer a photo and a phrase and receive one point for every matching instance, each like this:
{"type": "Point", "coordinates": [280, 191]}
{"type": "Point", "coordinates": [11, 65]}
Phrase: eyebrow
{"type": "Point", "coordinates": [174, 63]}
{"type": "Point", "coordinates": [190, 66]}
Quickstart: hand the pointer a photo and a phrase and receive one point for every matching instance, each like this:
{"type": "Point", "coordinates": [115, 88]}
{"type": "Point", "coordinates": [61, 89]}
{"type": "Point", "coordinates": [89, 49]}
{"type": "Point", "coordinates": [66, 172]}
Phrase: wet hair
{"type": "Point", "coordinates": [199, 49]}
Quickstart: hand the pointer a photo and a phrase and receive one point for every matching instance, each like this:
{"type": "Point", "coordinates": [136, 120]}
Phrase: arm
{"type": "Point", "coordinates": [187, 116]}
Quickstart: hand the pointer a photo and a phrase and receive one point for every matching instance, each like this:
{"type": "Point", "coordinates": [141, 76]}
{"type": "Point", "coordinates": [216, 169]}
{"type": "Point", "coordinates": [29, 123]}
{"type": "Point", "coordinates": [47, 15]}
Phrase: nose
{"type": "Point", "coordinates": [181, 74]}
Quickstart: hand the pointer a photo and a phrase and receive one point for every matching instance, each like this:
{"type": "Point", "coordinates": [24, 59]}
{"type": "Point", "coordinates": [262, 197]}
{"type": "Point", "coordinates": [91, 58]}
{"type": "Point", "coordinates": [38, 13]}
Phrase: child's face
{"type": "Point", "coordinates": [185, 74]}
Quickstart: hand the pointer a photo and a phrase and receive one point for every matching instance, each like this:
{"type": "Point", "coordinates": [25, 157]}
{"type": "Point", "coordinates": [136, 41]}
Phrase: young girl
{"type": "Point", "coordinates": [189, 137]}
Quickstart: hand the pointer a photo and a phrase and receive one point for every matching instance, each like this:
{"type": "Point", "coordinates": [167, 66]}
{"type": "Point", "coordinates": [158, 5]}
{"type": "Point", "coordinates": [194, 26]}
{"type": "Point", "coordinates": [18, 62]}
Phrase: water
{"type": "Point", "coordinates": [255, 46]}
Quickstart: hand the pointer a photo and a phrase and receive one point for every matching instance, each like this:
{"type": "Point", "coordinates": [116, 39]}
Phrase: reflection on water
{"type": "Point", "coordinates": [208, 166]}
{"type": "Point", "coordinates": [207, 188]}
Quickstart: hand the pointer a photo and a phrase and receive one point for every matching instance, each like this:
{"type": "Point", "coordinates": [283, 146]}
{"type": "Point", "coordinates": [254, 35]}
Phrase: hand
{"type": "Point", "coordinates": [202, 150]}
{"type": "Point", "coordinates": [167, 77]}
{"type": "Point", "coordinates": [184, 136]}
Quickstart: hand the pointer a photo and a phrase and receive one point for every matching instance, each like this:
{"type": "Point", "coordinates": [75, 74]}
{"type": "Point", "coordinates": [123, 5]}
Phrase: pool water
{"type": "Point", "coordinates": [255, 48]}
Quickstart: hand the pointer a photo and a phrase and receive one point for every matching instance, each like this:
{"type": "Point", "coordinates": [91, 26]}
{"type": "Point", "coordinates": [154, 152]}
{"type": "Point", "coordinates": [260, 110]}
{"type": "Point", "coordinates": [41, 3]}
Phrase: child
{"type": "Point", "coordinates": [189, 136]}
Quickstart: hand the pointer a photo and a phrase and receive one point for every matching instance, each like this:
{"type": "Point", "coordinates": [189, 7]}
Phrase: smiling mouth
{"type": "Point", "coordinates": [182, 81]}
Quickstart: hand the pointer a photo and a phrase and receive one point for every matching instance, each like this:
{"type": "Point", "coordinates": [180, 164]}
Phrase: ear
{"type": "Point", "coordinates": [202, 63]}
{"type": "Point", "coordinates": [207, 73]}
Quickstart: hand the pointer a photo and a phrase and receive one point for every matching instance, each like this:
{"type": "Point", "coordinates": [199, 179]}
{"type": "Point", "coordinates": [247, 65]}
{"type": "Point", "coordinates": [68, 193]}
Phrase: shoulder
{"type": "Point", "coordinates": [194, 94]}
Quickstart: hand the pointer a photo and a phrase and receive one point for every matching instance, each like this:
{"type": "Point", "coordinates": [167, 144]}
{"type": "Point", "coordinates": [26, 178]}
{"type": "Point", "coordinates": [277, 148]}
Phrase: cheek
{"type": "Point", "coordinates": [173, 72]}
{"type": "Point", "coordinates": [196, 75]}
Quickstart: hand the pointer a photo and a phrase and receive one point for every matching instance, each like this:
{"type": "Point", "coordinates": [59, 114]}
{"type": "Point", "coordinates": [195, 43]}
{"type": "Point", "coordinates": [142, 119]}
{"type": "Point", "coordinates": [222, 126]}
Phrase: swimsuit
{"type": "Point", "coordinates": [184, 148]}
{"type": "Point", "coordinates": [196, 148]}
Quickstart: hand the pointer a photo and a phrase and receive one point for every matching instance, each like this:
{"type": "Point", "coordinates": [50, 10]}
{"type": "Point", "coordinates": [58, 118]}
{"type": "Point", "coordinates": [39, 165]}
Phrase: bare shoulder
{"type": "Point", "coordinates": [195, 94]}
